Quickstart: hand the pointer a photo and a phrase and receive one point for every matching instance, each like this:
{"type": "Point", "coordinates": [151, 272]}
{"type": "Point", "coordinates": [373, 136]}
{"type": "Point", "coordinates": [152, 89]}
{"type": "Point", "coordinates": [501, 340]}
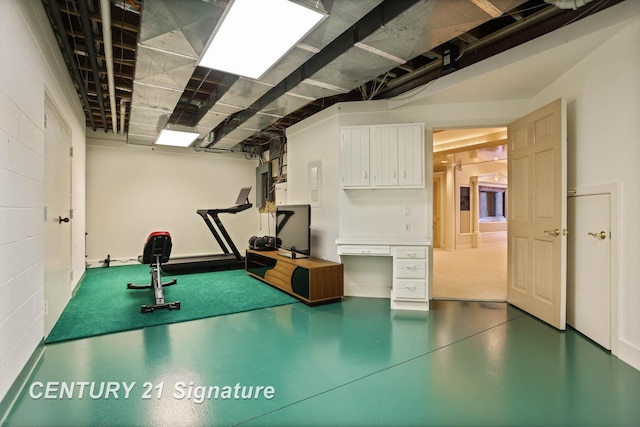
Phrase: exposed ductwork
{"type": "Point", "coordinates": [360, 41]}
{"type": "Point", "coordinates": [366, 49]}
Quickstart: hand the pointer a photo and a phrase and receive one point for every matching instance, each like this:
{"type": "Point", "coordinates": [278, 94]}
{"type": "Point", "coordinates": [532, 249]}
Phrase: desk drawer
{"type": "Point", "coordinates": [410, 289]}
{"type": "Point", "coordinates": [410, 269]}
{"type": "Point", "coordinates": [411, 252]}
{"type": "Point", "coordinates": [364, 250]}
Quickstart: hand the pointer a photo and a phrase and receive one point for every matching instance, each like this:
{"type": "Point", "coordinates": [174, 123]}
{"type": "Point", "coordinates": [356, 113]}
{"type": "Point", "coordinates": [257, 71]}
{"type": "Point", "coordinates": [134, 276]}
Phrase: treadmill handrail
{"type": "Point", "coordinates": [231, 210]}
{"type": "Point", "coordinates": [204, 213]}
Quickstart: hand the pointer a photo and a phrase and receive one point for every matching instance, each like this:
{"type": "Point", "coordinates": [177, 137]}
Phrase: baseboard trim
{"type": "Point", "coordinates": [629, 353]}
{"type": "Point", "coordinates": [16, 388]}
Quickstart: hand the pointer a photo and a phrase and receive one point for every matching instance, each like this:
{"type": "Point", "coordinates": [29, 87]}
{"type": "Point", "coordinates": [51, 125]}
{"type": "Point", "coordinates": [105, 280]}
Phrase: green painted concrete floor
{"type": "Point", "coordinates": [351, 363]}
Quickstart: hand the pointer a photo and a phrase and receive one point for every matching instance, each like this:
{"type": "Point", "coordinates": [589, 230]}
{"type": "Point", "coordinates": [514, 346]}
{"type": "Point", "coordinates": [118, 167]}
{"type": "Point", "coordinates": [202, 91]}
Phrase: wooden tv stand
{"type": "Point", "coordinates": [311, 280]}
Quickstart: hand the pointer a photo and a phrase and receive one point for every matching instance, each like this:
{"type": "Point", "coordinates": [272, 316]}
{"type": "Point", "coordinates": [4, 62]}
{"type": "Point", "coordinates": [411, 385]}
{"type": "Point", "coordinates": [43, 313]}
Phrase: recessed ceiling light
{"type": "Point", "coordinates": [176, 138]}
{"type": "Point", "coordinates": [243, 45]}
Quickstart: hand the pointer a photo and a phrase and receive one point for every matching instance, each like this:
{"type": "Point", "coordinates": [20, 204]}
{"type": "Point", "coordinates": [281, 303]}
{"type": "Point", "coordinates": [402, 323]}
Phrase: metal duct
{"type": "Point", "coordinates": [172, 37]}
{"type": "Point", "coordinates": [375, 19]}
{"type": "Point", "coordinates": [479, 44]}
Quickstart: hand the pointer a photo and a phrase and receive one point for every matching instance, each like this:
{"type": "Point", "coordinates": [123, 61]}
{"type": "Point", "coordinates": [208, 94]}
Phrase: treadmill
{"type": "Point", "coordinates": [230, 259]}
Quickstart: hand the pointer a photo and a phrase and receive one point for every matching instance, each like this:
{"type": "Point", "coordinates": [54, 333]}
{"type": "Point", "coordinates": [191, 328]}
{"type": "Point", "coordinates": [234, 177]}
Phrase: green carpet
{"type": "Point", "coordinates": [104, 305]}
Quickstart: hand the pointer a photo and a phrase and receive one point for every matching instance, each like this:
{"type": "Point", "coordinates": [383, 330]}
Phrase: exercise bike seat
{"type": "Point", "coordinates": [157, 251]}
{"type": "Point", "coordinates": [158, 244]}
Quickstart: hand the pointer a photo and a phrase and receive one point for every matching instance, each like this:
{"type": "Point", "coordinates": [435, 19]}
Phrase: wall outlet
{"type": "Point", "coordinates": [407, 227]}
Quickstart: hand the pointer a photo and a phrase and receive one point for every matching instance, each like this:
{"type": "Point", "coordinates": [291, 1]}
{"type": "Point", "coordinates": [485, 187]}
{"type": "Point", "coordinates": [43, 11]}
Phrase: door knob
{"type": "Point", "coordinates": [61, 220]}
{"type": "Point", "coordinates": [601, 235]}
{"type": "Point", "coordinates": [553, 233]}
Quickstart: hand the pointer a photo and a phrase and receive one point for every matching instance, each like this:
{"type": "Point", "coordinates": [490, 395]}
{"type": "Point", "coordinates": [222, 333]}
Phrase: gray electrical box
{"type": "Point", "coordinates": [264, 190]}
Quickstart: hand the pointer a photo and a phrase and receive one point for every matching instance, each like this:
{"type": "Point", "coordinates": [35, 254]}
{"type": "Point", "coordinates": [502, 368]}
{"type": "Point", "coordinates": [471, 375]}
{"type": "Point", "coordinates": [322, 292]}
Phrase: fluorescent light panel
{"type": "Point", "coordinates": [176, 138]}
{"type": "Point", "coordinates": [255, 34]}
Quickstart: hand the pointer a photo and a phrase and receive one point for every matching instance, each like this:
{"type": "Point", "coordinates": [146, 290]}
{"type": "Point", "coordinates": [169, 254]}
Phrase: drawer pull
{"type": "Point", "coordinates": [411, 254]}
{"type": "Point", "coordinates": [411, 267]}
{"type": "Point", "coordinates": [411, 288]}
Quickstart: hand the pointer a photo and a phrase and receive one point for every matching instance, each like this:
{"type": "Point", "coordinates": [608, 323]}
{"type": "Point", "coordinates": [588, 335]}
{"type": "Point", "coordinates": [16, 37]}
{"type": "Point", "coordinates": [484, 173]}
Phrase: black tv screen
{"type": "Point", "coordinates": [293, 229]}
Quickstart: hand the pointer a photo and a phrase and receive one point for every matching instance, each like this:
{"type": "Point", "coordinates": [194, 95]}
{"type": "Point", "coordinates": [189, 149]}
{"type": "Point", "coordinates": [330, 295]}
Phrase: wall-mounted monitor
{"type": "Point", "coordinates": [293, 230]}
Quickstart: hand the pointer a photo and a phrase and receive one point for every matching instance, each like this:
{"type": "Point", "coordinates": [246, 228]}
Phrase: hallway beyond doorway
{"type": "Point", "coordinates": [478, 274]}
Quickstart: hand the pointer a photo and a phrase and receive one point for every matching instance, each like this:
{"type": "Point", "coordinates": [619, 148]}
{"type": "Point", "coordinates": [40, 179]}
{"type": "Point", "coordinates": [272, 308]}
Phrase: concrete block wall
{"type": "Point", "coordinates": [32, 66]}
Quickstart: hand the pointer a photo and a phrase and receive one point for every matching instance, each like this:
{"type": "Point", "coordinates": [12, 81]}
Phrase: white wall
{"type": "Point", "coordinates": [134, 190]}
{"type": "Point", "coordinates": [32, 65]}
{"type": "Point", "coordinates": [317, 142]}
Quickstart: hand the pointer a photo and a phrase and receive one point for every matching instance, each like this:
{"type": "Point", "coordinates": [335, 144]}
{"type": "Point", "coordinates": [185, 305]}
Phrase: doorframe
{"type": "Point", "coordinates": [53, 106]}
{"type": "Point", "coordinates": [450, 196]}
{"type": "Point", "coordinates": [50, 104]}
{"type": "Point", "coordinates": [439, 180]}
{"type": "Point", "coordinates": [612, 190]}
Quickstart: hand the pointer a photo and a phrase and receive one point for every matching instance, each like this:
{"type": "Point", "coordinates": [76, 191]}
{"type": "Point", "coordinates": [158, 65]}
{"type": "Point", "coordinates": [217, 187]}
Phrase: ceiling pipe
{"type": "Point", "coordinates": [123, 114]}
{"type": "Point", "coordinates": [568, 4]}
{"type": "Point", "coordinates": [86, 26]}
{"type": "Point", "coordinates": [57, 19]}
{"type": "Point", "coordinates": [105, 12]}
{"type": "Point", "coordinates": [480, 43]}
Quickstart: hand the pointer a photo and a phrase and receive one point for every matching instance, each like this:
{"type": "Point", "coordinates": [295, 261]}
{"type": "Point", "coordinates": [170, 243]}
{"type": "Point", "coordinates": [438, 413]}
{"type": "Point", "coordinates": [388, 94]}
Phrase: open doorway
{"type": "Point", "coordinates": [470, 214]}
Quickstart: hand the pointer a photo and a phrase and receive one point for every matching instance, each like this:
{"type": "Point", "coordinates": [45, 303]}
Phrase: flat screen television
{"type": "Point", "coordinates": [293, 230]}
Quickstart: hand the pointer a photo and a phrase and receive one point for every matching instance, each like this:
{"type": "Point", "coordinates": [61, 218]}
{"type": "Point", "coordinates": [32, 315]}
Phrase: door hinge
{"type": "Point", "coordinates": [45, 214]}
{"type": "Point", "coordinates": [71, 276]}
{"type": "Point", "coordinates": [45, 120]}
{"type": "Point", "coordinates": [70, 213]}
{"type": "Point", "coordinates": [70, 151]}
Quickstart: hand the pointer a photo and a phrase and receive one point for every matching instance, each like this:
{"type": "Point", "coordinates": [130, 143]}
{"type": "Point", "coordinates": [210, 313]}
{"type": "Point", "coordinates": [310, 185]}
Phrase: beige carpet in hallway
{"type": "Point", "coordinates": [474, 274]}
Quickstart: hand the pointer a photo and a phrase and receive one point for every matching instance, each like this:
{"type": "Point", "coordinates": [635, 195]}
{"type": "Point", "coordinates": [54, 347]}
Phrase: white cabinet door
{"type": "Point", "coordinates": [354, 150]}
{"type": "Point", "coordinates": [384, 155]}
{"type": "Point", "coordinates": [410, 156]}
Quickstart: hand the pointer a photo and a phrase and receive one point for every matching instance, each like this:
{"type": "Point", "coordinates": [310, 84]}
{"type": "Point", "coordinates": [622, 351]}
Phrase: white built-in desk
{"type": "Point", "coordinates": [410, 287]}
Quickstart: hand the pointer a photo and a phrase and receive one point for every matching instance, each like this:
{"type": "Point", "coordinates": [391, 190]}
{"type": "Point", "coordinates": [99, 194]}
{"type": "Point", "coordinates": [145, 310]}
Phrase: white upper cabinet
{"type": "Point", "coordinates": [382, 156]}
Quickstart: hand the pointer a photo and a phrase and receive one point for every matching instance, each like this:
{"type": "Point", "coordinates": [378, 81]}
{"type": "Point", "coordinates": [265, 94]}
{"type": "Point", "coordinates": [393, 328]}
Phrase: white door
{"type": "Point", "coordinates": [57, 230]}
{"type": "Point", "coordinates": [589, 267]}
{"type": "Point", "coordinates": [537, 214]}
